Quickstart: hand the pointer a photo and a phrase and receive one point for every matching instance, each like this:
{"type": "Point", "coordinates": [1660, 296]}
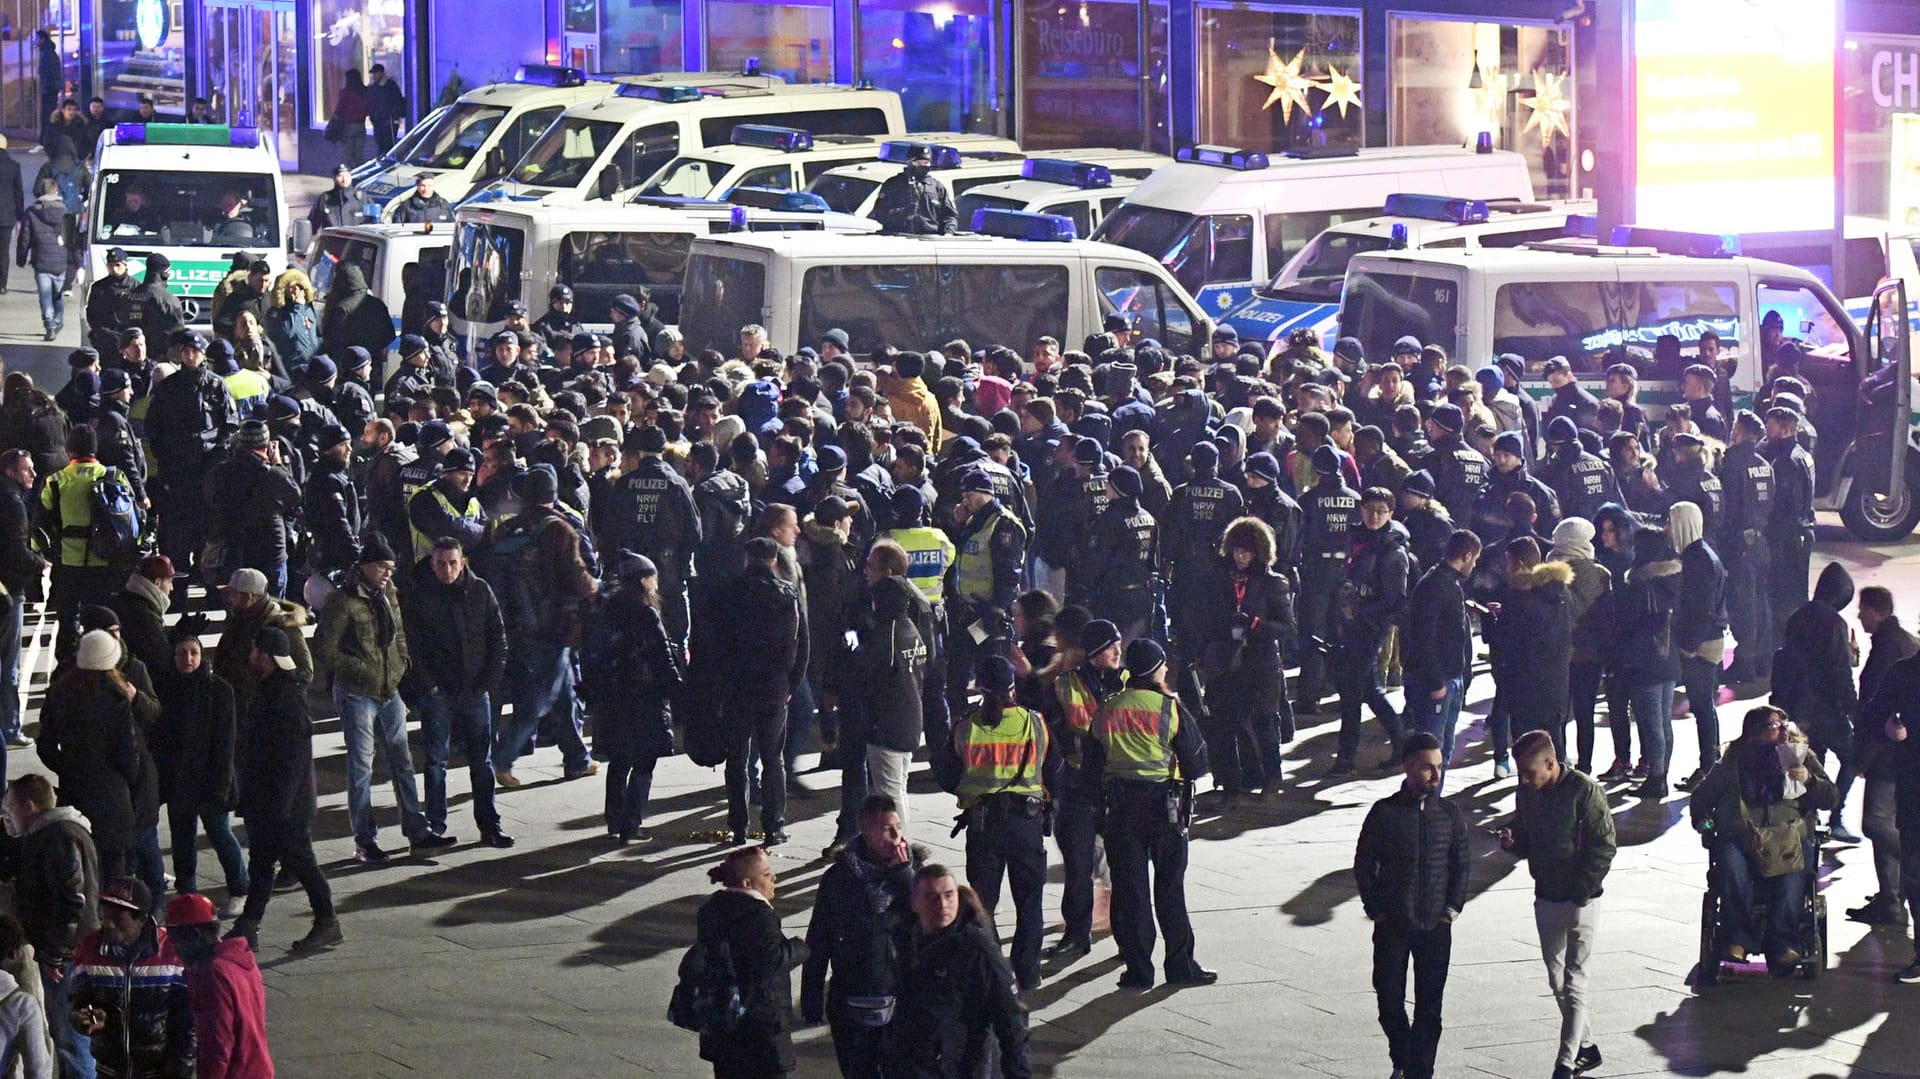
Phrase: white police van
{"type": "Point", "coordinates": [598, 149]}
{"type": "Point", "coordinates": [199, 194]}
{"type": "Point", "coordinates": [1080, 190]}
{"type": "Point", "coordinates": [389, 257]}
{"type": "Point", "coordinates": [783, 158]}
{"type": "Point", "coordinates": [1600, 304]}
{"type": "Point", "coordinates": [854, 189]}
{"type": "Point", "coordinates": [1017, 278]}
{"type": "Point", "coordinates": [473, 141]}
{"type": "Point", "coordinates": [1225, 220]}
{"type": "Point", "coordinates": [1306, 292]}
{"type": "Point", "coordinates": [1877, 249]}
{"type": "Point", "coordinates": [509, 252]}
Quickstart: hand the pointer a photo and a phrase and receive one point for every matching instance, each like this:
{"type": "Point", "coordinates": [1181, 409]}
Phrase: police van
{"type": "Point", "coordinates": [598, 149]}
{"type": "Point", "coordinates": [508, 252]}
{"type": "Point", "coordinates": [1080, 190]}
{"type": "Point", "coordinates": [396, 260]}
{"type": "Point", "coordinates": [783, 158]}
{"type": "Point", "coordinates": [1646, 299]}
{"type": "Point", "coordinates": [1306, 292]}
{"type": "Point", "coordinates": [1225, 220]}
{"type": "Point", "coordinates": [197, 193]}
{"type": "Point", "coordinates": [1017, 278]}
{"type": "Point", "coordinates": [854, 189]}
{"type": "Point", "coordinates": [1877, 249]}
{"type": "Point", "coordinates": [472, 142]}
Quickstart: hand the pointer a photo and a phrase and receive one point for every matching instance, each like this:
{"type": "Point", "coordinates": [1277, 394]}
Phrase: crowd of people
{"type": "Point", "coordinates": [1076, 581]}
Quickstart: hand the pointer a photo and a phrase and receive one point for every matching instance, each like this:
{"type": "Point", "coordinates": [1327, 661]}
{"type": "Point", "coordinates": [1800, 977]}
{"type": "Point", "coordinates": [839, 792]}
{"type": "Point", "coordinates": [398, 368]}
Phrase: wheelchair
{"type": "Point", "coordinates": [1811, 931]}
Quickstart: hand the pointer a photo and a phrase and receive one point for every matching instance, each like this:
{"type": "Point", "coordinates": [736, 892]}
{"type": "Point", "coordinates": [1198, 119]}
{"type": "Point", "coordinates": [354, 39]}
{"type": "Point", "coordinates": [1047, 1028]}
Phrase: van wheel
{"type": "Point", "coordinates": [1875, 519]}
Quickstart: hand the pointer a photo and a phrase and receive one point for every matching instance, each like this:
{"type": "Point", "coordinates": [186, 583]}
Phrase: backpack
{"type": "Point", "coordinates": [114, 534]}
{"type": "Point", "coordinates": [706, 999]}
{"type": "Point", "coordinates": [602, 648]}
{"type": "Point", "coordinates": [511, 568]}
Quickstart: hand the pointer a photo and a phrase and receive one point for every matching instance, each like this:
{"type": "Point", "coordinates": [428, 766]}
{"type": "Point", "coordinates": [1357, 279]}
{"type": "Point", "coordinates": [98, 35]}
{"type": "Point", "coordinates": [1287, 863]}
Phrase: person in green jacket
{"type": "Point", "coordinates": [1564, 830]}
{"type": "Point", "coordinates": [80, 575]}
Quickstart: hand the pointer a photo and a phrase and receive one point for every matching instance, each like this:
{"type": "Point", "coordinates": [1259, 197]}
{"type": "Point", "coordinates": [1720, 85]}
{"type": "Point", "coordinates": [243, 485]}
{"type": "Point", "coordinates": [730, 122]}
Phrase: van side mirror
{"type": "Point", "coordinates": [302, 237]}
{"type": "Point", "coordinates": [608, 183]}
{"type": "Point", "coordinates": [497, 161]}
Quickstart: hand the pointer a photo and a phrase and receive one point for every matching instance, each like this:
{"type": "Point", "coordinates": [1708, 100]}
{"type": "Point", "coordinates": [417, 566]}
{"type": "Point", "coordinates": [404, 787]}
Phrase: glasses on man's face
{"type": "Point", "coordinates": [1777, 725]}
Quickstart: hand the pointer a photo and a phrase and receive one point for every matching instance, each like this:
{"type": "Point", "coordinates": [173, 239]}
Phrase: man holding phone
{"type": "Point", "coordinates": [129, 991]}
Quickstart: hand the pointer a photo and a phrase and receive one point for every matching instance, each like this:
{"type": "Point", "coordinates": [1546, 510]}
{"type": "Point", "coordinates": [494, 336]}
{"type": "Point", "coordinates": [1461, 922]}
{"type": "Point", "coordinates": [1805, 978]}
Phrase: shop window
{"type": "Point", "coordinates": [142, 51]}
{"type": "Point", "coordinates": [1274, 80]}
{"type": "Point", "coordinates": [354, 35]}
{"type": "Point", "coordinates": [1083, 79]}
{"type": "Point", "coordinates": [640, 35]}
{"type": "Point", "coordinates": [1453, 80]}
{"type": "Point", "coordinates": [937, 54]}
{"type": "Point", "coordinates": [793, 40]}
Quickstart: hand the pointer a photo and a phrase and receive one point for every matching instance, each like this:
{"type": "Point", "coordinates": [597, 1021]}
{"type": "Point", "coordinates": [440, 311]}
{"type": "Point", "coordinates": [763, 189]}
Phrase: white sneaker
{"type": "Point", "coordinates": [233, 907]}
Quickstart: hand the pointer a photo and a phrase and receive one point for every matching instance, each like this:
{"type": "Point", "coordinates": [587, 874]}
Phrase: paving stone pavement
{"type": "Point", "coordinates": [556, 958]}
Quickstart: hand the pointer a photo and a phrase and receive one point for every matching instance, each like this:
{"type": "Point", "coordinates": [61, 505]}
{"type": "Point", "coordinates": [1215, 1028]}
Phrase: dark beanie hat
{"type": "Point", "coordinates": [1126, 480]}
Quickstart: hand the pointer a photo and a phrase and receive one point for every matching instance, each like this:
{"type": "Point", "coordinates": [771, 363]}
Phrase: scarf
{"type": "Point", "coordinates": [1763, 780]}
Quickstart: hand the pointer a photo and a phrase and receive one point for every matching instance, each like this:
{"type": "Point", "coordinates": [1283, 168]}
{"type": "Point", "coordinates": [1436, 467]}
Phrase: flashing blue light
{"type": "Point", "coordinates": [1067, 173]}
{"type": "Point", "coordinates": [1398, 240]}
{"type": "Point", "coordinates": [185, 135]}
{"type": "Point", "coordinates": [769, 137]}
{"type": "Point", "coordinates": [1021, 225]}
{"type": "Point", "coordinates": [1225, 157]}
{"type": "Point", "coordinates": [1705, 245]}
{"type": "Point", "coordinates": [1483, 143]}
{"type": "Point", "coordinates": [737, 218]}
{"type": "Point", "coordinates": [549, 75]}
{"type": "Point", "coordinates": [900, 152]}
{"type": "Point", "coordinates": [668, 94]}
{"type": "Point", "coordinates": [1436, 208]}
{"type": "Point", "coordinates": [771, 198]}
{"type": "Point", "coordinates": [1581, 227]}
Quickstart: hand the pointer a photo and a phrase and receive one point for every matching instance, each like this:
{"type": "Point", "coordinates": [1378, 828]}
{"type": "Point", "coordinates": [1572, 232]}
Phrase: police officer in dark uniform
{"type": "Point", "coordinates": [188, 421]}
{"type": "Point", "coordinates": [1746, 488]}
{"type": "Point", "coordinates": [1570, 399]}
{"type": "Point", "coordinates": [1123, 548]}
{"type": "Point", "coordinates": [1425, 520]}
{"type": "Point", "coordinates": [914, 202]}
{"type": "Point", "coordinates": [151, 307]}
{"type": "Point", "coordinates": [108, 300]}
{"type": "Point", "coordinates": [1581, 481]}
{"type": "Point", "coordinates": [982, 583]}
{"type": "Point", "coordinates": [1329, 513]}
{"type": "Point", "coordinates": [1076, 698]}
{"type": "Point", "coordinates": [1491, 521]}
{"type": "Point", "coordinates": [1789, 526]}
{"type": "Point", "coordinates": [1696, 387]}
{"type": "Point", "coordinates": [653, 513]}
{"type": "Point", "coordinates": [1270, 502]}
{"type": "Point", "coordinates": [1688, 480]}
{"type": "Point", "coordinates": [1197, 516]}
{"type": "Point", "coordinates": [431, 446]}
{"type": "Point", "coordinates": [558, 324]}
{"type": "Point", "coordinates": [1006, 750]}
{"type": "Point", "coordinates": [1458, 470]}
{"type": "Point", "coordinates": [1090, 465]}
{"type": "Point", "coordinates": [1152, 755]}
{"type": "Point", "coordinates": [1371, 601]}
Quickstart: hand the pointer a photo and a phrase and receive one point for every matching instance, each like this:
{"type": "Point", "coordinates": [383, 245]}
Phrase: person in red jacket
{"type": "Point", "coordinates": [223, 985]}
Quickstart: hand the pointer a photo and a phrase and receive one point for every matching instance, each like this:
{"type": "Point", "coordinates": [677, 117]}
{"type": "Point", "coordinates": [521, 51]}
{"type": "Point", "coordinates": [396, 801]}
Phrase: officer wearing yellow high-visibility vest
{"type": "Point", "coordinates": [1153, 755]}
{"type": "Point", "coordinates": [1088, 674]}
{"type": "Point", "coordinates": [1003, 801]}
{"type": "Point", "coordinates": [447, 507]}
{"type": "Point", "coordinates": [929, 553]}
{"type": "Point", "coordinates": [982, 583]}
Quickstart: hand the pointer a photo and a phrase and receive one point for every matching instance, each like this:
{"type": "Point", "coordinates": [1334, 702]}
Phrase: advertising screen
{"type": "Point", "coordinates": [1735, 115]}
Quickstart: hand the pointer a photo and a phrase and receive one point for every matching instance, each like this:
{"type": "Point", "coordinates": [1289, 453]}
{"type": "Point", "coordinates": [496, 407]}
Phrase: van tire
{"type": "Point", "coordinates": [1873, 523]}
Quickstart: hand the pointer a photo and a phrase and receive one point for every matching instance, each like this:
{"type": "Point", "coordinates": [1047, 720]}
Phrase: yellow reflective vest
{"type": "Point", "coordinates": [1002, 759]}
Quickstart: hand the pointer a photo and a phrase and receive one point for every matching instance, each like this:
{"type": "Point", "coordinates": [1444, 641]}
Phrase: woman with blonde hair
{"type": "Point", "coordinates": [292, 324]}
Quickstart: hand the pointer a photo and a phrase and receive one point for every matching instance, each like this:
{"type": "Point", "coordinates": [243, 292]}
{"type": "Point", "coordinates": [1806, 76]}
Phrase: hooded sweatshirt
{"type": "Point", "coordinates": [1813, 668]}
{"type": "Point", "coordinates": [229, 1014]}
{"type": "Point", "coordinates": [1701, 615]}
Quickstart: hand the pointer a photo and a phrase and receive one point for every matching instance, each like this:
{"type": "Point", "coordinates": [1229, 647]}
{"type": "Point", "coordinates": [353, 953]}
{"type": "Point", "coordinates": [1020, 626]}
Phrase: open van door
{"type": "Point", "coordinates": [1882, 503]}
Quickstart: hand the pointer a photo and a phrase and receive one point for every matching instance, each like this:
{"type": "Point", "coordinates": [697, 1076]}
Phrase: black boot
{"type": "Point", "coordinates": [1654, 789]}
{"type": "Point", "coordinates": [324, 934]}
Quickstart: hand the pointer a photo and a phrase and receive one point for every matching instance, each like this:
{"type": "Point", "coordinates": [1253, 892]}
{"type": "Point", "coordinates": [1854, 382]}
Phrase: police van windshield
{"type": "Point", "coordinates": [1196, 250]}
{"type": "Point", "coordinates": [688, 177]}
{"type": "Point", "coordinates": [562, 156]}
{"type": "Point", "coordinates": [1380, 308]}
{"type": "Point", "coordinates": [721, 295]}
{"type": "Point", "coordinates": [1318, 271]}
{"type": "Point", "coordinates": [973, 200]}
{"type": "Point", "coordinates": [487, 259]}
{"type": "Point", "coordinates": [845, 194]}
{"type": "Point", "coordinates": [188, 209]}
{"type": "Point", "coordinates": [457, 137]}
{"type": "Point", "coordinates": [905, 305]}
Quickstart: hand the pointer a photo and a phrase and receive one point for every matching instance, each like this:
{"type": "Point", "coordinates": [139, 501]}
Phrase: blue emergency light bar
{"type": "Point", "coordinates": [1223, 157]}
{"type": "Point", "coordinates": [1397, 236]}
{"type": "Point", "coordinates": [770, 137]}
{"type": "Point", "coordinates": [1581, 227]}
{"type": "Point", "coordinates": [668, 94]}
{"type": "Point", "coordinates": [673, 202]}
{"type": "Point", "coordinates": [1436, 208]}
{"type": "Point", "coordinates": [1053, 170]}
{"type": "Point", "coordinates": [900, 152]}
{"type": "Point", "coordinates": [1706, 245]}
{"type": "Point", "coordinates": [185, 135]}
{"type": "Point", "coordinates": [772, 198]}
{"type": "Point", "coordinates": [550, 75]}
{"type": "Point", "coordinates": [1023, 225]}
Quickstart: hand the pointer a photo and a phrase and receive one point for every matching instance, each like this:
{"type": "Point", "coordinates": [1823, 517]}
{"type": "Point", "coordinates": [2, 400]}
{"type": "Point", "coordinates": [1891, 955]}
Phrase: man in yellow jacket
{"type": "Point", "coordinates": [80, 574]}
{"type": "Point", "coordinates": [909, 398]}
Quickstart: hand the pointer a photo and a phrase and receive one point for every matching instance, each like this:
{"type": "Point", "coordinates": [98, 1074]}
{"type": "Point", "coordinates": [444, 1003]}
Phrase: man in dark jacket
{"type": "Point", "coordinates": [1789, 527]}
{"type": "Point", "coordinates": [354, 317]}
{"type": "Point", "coordinates": [457, 645]}
{"type": "Point", "coordinates": [652, 512]}
{"type": "Point", "coordinates": [43, 246]}
{"type": "Point", "coordinates": [21, 568]}
{"type": "Point", "coordinates": [763, 653]}
{"type": "Point", "coordinates": [1411, 865]}
{"type": "Point", "coordinates": [1563, 827]}
{"type": "Point", "coordinates": [333, 504]}
{"type": "Point", "coordinates": [1570, 399]}
{"type": "Point", "coordinates": [388, 108]}
{"type": "Point", "coordinates": [342, 204]}
{"type": "Point", "coordinates": [1439, 643]}
{"type": "Point", "coordinates": [863, 907]}
{"type": "Point", "coordinates": [1370, 602]}
{"type": "Point", "coordinates": [153, 307]}
{"type": "Point", "coordinates": [957, 993]}
{"type": "Point", "coordinates": [56, 890]}
{"type": "Point", "coordinates": [13, 207]}
{"type": "Point", "coordinates": [1747, 491]}
{"type": "Point", "coordinates": [1699, 628]}
{"type": "Point", "coordinates": [424, 206]}
{"type": "Point", "coordinates": [107, 300]}
{"type": "Point", "coordinates": [252, 500]}
{"type": "Point", "coordinates": [1894, 712]}
{"type": "Point", "coordinates": [629, 332]}
{"type": "Point", "coordinates": [915, 203]}
{"type": "Point", "coordinates": [188, 420]}
{"type": "Point", "coordinates": [1813, 679]}
{"type": "Point", "coordinates": [1873, 757]}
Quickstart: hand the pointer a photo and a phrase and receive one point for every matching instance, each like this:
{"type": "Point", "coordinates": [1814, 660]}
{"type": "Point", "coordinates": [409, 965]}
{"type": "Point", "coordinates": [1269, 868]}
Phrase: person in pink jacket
{"type": "Point", "coordinates": [223, 985]}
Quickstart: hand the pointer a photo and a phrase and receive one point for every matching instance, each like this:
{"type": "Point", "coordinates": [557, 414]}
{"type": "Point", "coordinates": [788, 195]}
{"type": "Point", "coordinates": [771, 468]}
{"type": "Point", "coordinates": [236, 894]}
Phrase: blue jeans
{"type": "Point", "coordinates": [184, 828]}
{"type": "Point", "coordinates": [441, 715]}
{"type": "Point", "coordinates": [1652, 707]}
{"type": "Point", "coordinates": [74, 1049]}
{"type": "Point", "coordinates": [1738, 889]}
{"type": "Point", "coordinates": [53, 306]}
{"type": "Point", "coordinates": [541, 674]}
{"type": "Point", "coordinates": [1437, 717]}
{"type": "Point", "coordinates": [12, 626]}
{"type": "Point", "coordinates": [367, 722]}
{"type": "Point", "coordinates": [150, 865]}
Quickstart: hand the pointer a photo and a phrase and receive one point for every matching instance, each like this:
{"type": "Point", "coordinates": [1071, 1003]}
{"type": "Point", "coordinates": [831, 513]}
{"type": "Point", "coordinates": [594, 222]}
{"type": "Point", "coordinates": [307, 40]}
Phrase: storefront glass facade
{"type": "Point", "coordinates": [636, 35]}
{"type": "Point", "coordinates": [1274, 78]}
{"type": "Point", "coordinates": [142, 50]}
{"type": "Point", "coordinates": [1093, 73]}
{"type": "Point", "coordinates": [1454, 79]}
{"type": "Point", "coordinates": [1881, 74]}
{"type": "Point", "coordinates": [792, 40]}
{"type": "Point", "coordinates": [938, 56]}
{"type": "Point", "coordinates": [354, 35]}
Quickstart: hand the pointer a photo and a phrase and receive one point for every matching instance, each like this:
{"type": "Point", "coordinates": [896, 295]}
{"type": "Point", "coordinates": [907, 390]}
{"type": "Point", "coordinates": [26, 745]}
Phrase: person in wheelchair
{"type": "Point", "coordinates": [1754, 811]}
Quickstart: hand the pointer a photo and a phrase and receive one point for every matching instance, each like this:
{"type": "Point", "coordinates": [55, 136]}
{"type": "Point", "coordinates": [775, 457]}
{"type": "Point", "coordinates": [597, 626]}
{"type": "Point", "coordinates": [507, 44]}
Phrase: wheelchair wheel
{"type": "Point", "coordinates": [1709, 969]}
{"type": "Point", "coordinates": [1816, 963]}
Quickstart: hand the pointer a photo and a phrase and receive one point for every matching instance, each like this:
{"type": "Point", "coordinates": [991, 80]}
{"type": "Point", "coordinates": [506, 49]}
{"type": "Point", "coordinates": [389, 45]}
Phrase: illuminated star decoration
{"type": "Point", "coordinates": [1491, 98]}
{"type": "Point", "coordinates": [1341, 91]}
{"type": "Point", "coordinates": [1289, 85]}
{"type": "Point", "coordinates": [1549, 104]}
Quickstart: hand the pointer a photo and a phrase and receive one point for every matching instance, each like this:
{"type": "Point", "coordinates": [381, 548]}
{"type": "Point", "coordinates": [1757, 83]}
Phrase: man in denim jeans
{"type": "Point", "coordinates": [1439, 643]}
{"type": "Point", "coordinates": [362, 644]}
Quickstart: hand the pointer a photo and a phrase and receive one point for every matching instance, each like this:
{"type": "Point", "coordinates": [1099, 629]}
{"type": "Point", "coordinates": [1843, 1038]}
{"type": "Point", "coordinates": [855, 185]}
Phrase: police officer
{"type": "Point", "coordinates": [1746, 489]}
{"type": "Point", "coordinates": [107, 304]}
{"type": "Point", "coordinates": [151, 306]}
{"type": "Point", "coordinates": [913, 202]}
{"type": "Point", "coordinates": [1271, 503]}
{"type": "Point", "coordinates": [1688, 480]}
{"type": "Point", "coordinates": [1491, 521]}
{"type": "Point", "coordinates": [447, 507]}
{"type": "Point", "coordinates": [1371, 602]}
{"type": "Point", "coordinates": [1152, 755]}
{"type": "Point", "coordinates": [558, 324]}
{"type": "Point", "coordinates": [1085, 494]}
{"type": "Point", "coordinates": [653, 513]}
{"type": "Point", "coordinates": [1570, 399]}
{"type": "Point", "coordinates": [1329, 513]}
{"type": "Point", "coordinates": [1582, 482]}
{"type": "Point", "coordinates": [982, 583]}
{"type": "Point", "coordinates": [414, 378]}
{"type": "Point", "coordinates": [1004, 749]}
{"type": "Point", "coordinates": [1696, 386]}
{"type": "Point", "coordinates": [1789, 526]}
{"type": "Point", "coordinates": [1197, 516]}
{"type": "Point", "coordinates": [929, 553]}
{"type": "Point", "coordinates": [430, 446]}
{"type": "Point", "coordinates": [1458, 470]}
{"type": "Point", "coordinates": [188, 421]}
{"type": "Point", "coordinates": [1122, 550]}
{"type": "Point", "coordinates": [1077, 695]}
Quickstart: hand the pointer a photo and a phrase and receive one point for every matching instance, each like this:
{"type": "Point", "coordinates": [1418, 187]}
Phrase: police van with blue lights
{"type": "Point", "coordinates": [1015, 278]}
{"type": "Point", "coordinates": [603, 149]}
{"type": "Point", "coordinates": [1082, 190]}
{"type": "Point", "coordinates": [1306, 292]}
{"type": "Point", "coordinates": [396, 260]}
{"type": "Point", "coordinates": [1225, 220]}
{"type": "Point", "coordinates": [787, 158]}
{"type": "Point", "coordinates": [504, 253]}
{"type": "Point", "coordinates": [472, 142]}
{"type": "Point", "coordinates": [1648, 298]}
{"type": "Point", "coordinates": [854, 189]}
{"type": "Point", "coordinates": [197, 193]}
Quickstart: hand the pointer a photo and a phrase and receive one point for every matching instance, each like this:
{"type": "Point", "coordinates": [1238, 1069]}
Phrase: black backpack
{"type": "Point", "coordinates": [706, 999]}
